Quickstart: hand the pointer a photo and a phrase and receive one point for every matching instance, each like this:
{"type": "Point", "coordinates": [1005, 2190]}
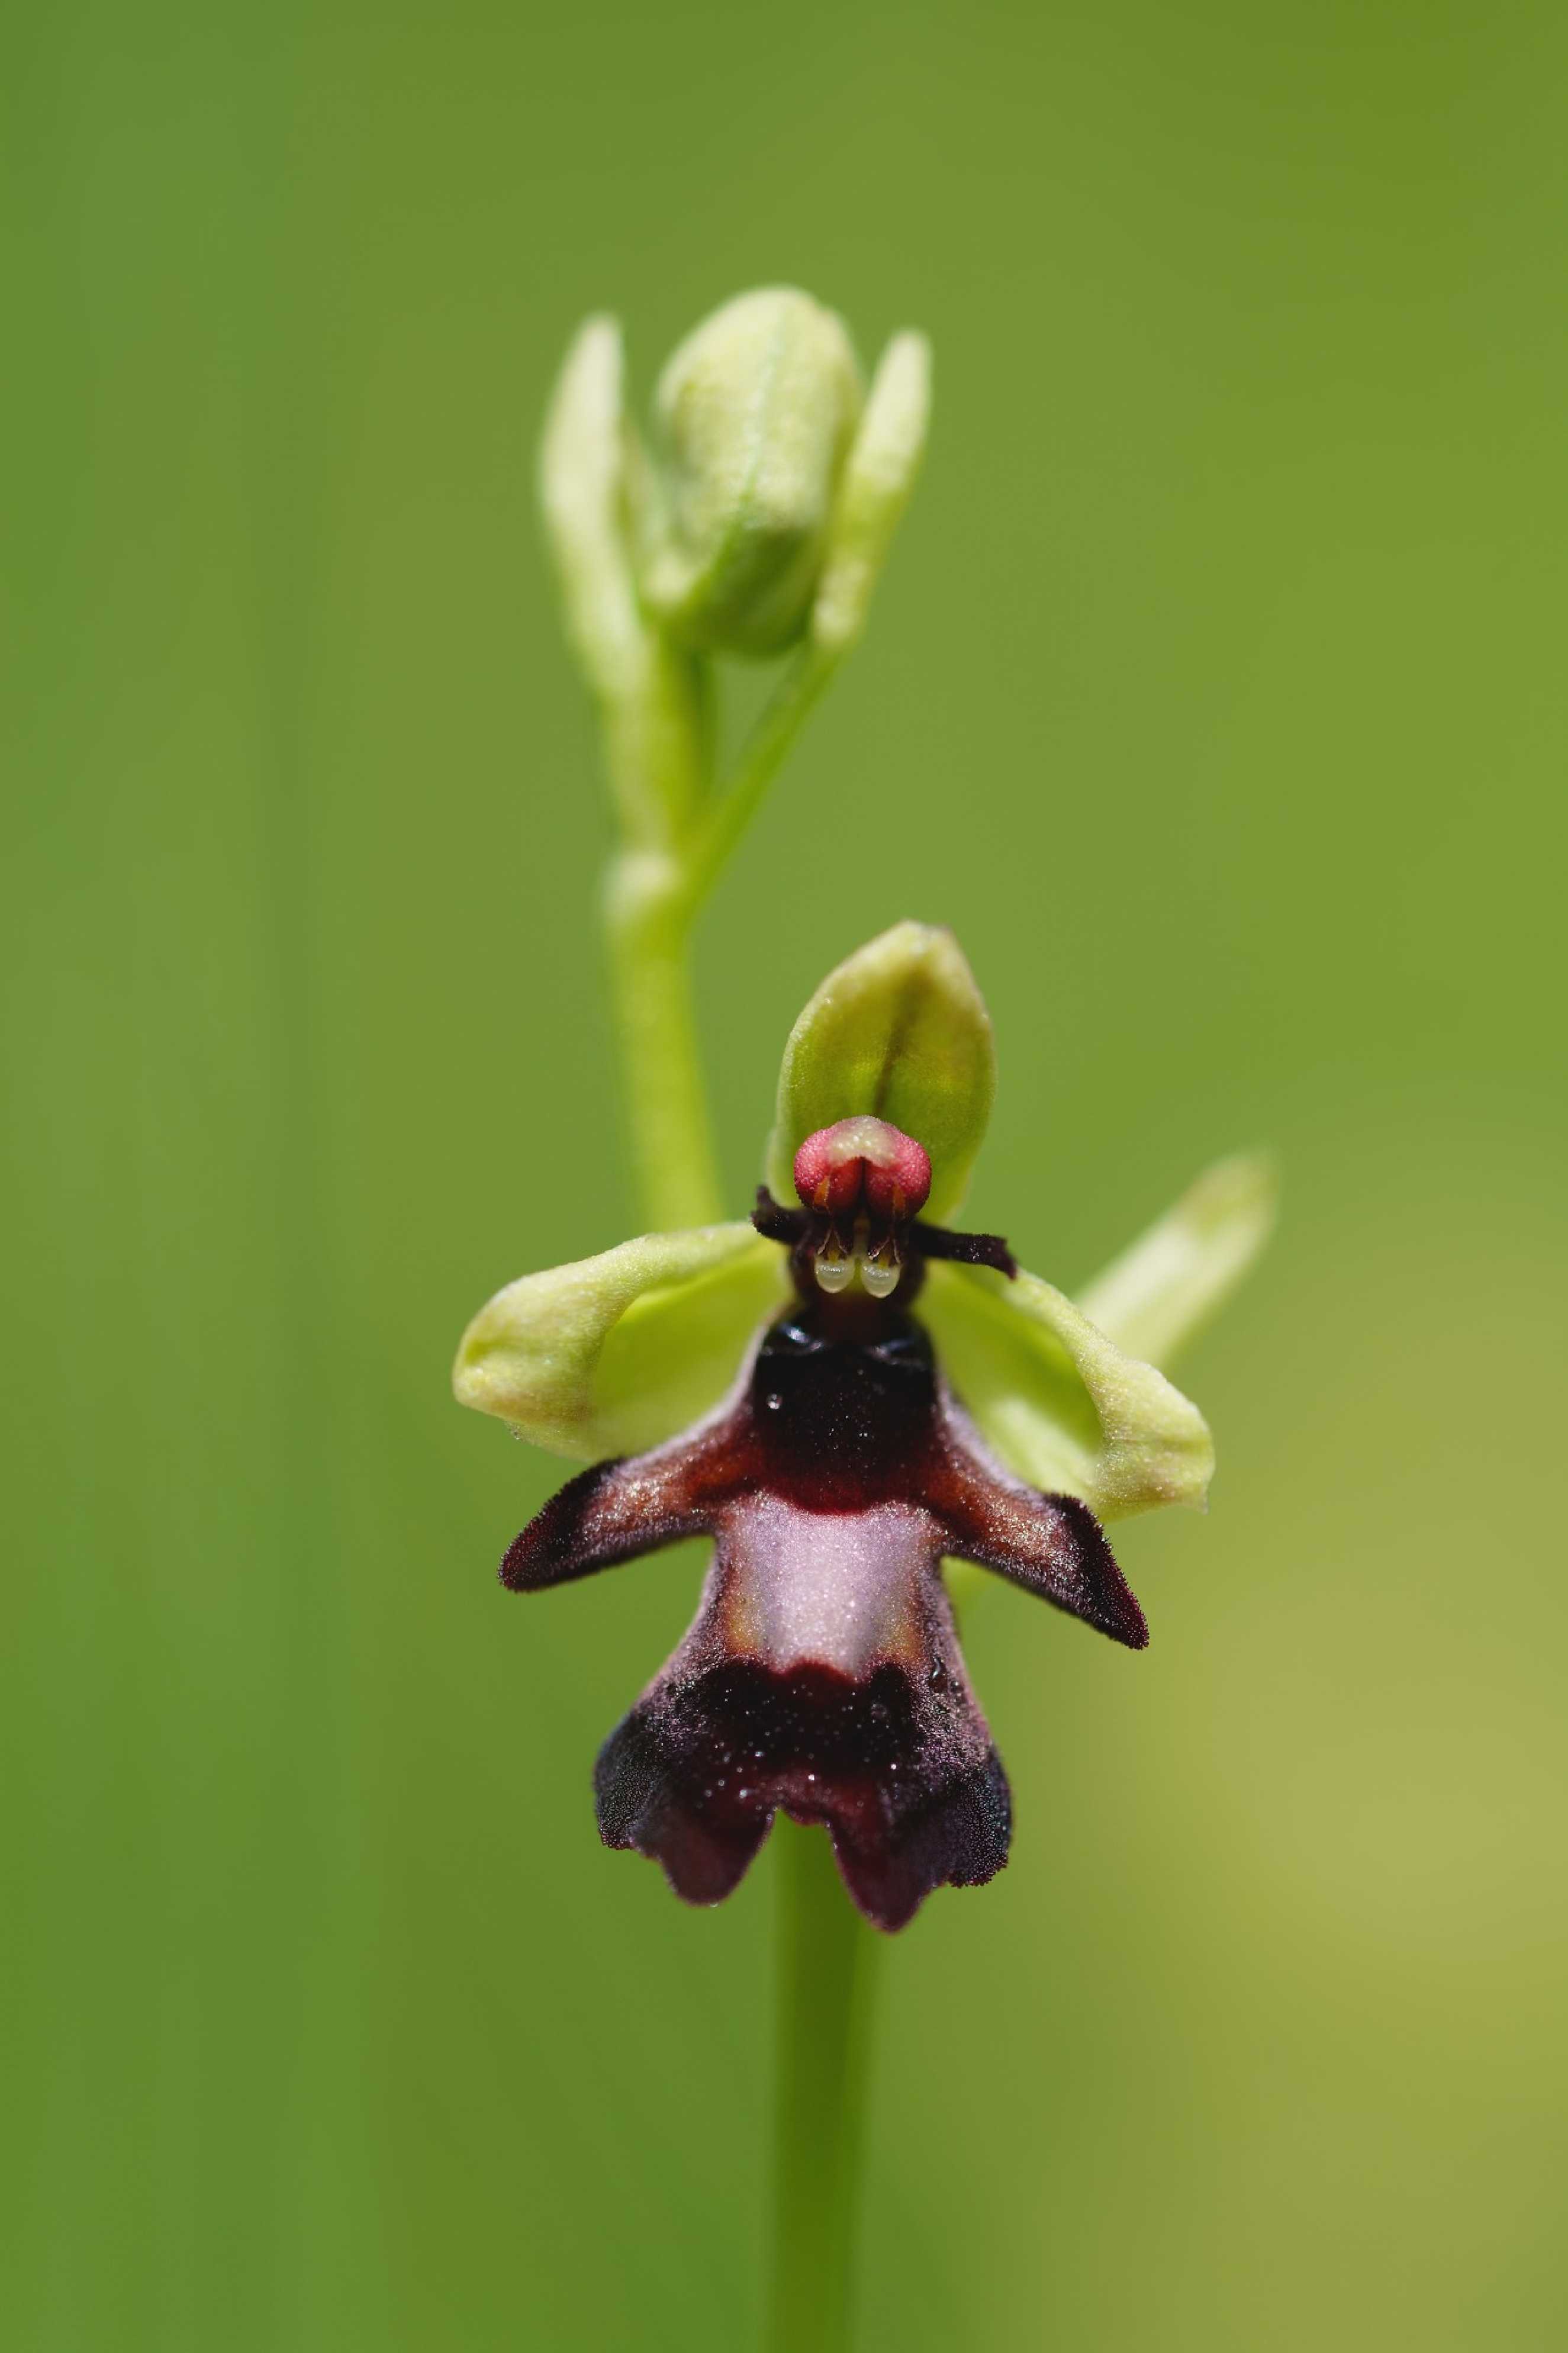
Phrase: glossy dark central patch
{"type": "Point", "coordinates": [841, 1423]}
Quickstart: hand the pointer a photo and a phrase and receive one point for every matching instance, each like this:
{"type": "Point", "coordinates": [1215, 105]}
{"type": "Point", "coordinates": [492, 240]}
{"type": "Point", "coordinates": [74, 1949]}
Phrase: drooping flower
{"type": "Point", "coordinates": [844, 1393]}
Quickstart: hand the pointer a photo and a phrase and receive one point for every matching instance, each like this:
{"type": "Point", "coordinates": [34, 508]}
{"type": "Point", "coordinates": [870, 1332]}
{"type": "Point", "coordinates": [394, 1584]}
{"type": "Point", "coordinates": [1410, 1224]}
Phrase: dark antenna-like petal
{"type": "Point", "coordinates": [964, 1249]}
{"type": "Point", "coordinates": [1050, 1545]}
{"type": "Point", "coordinates": [618, 1510]}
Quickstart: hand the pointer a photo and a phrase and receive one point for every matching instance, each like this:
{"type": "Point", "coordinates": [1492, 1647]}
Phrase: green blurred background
{"type": "Point", "coordinates": [1213, 695]}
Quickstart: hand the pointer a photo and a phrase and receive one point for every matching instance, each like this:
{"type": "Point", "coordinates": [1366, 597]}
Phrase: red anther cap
{"type": "Point", "coordinates": [863, 1164]}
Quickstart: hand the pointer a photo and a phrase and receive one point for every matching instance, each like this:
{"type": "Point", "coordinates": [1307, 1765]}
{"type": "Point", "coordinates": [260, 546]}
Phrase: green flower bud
{"type": "Point", "coordinates": [752, 422]}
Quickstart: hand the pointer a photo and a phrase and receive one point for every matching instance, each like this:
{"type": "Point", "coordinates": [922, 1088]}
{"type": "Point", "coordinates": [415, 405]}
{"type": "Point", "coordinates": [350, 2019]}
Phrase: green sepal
{"type": "Point", "coordinates": [900, 1031]}
{"type": "Point", "coordinates": [614, 1354]}
{"type": "Point", "coordinates": [1167, 1284]}
{"type": "Point", "coordinates": [879, 476]}
{"type": "Point", "coordinates": [1060, 1403]}
{"type": "Point", "coordinates": [582, 462]}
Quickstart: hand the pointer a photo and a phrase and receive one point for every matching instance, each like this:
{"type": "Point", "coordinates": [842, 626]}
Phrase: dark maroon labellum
{"type": "Point", "coordinates": [822, 1671]}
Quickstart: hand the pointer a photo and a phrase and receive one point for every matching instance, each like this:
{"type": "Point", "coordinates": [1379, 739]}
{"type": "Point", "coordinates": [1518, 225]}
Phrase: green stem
{"type": "Point", "coordinates": [759, 763]}
{"type": "Point", "coordinates": [657, 750]}
{"type": "Point", "coordinates": [657, 742]}
{"type": "Point", "coordinates": [826, 1975]}
{"type": "Point", "coordinates": [648, 918]}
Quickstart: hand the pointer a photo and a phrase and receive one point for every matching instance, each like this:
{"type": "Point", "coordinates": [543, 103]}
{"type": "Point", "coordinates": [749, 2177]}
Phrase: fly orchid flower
{"type": "Point", "coordinates": [841, 1393]}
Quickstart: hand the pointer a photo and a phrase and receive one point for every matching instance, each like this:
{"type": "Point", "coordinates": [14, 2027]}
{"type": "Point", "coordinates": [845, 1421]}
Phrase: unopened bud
{"type": "Point", "coordinates": [752, 422]}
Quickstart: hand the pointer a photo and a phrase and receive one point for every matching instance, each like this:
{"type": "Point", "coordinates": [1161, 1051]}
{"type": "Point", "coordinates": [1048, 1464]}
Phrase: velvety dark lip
{"type": "Point", "coordinates": [822, 1674]}
{"type": "Point", "coordinates": [693, 1780]}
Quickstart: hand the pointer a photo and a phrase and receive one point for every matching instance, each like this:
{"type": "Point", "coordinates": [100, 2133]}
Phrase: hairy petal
{"type": "Point", "coordinates": [1170, 1281]}
{"type": "Point", "coordinates": [1060, 1404]}
{"type": "Point", "coordinates": [618, 1510]}
{"type": "Point", "coordinates": [614, 1354]}
{"type": "Point", "coordinates": [1050, 1545]}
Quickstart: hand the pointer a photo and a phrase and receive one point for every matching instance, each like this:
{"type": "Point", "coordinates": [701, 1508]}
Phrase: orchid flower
{"type": "Point", "coordinates": [844, 1392]}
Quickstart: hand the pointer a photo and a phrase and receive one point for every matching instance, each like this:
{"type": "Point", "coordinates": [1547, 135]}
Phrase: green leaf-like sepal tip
{"type": "Point", "coordinates": [1167, 1284]}
{"type": "Point", "coordinates": [879, 476]}
{"type": "Point", "coordinates": [616, 1352]}
{"type": "Point", "coordinates": [1059, 1402]}
{"type": "Point", "coordinates": [899, 1030]}
{"type": "Point", "coordinates": [582, 466]}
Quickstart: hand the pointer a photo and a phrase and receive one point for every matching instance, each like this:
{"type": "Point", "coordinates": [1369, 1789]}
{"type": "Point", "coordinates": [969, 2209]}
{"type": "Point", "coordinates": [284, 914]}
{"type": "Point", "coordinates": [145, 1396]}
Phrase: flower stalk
{"type": "Point", "coordinates": [828, 1966]}
{"type": "Point", "coordinates": [648, 910]}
